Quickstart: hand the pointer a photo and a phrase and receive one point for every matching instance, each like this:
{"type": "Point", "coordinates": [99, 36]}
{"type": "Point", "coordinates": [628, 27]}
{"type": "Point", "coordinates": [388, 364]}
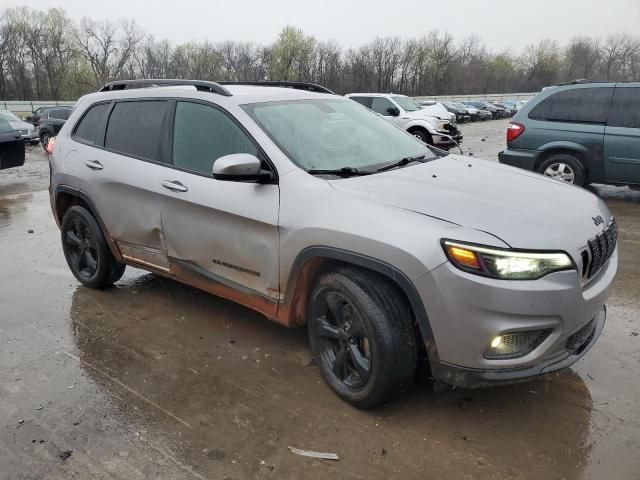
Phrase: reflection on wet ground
{"type": "Point", "coordinates": [154, 379]}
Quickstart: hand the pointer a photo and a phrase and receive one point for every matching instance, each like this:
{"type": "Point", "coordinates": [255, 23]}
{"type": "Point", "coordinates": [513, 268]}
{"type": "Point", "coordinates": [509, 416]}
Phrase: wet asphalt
{"type": "Point", "coordinates": [154, 379]}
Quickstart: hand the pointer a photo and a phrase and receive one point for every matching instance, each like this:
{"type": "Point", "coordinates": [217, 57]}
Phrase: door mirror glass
{"type": "Point", "coordinates": [237, 166]}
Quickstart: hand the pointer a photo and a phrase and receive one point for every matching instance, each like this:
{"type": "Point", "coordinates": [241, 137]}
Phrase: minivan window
{"type": "Point", "coordinates": [88, 128]}
{"type": "Point", "coordinates": [135, 128]}
{"type": "Point", "coordinates": [625, 108]}
{"type": "Point", "coordinates": [579, 105]}
{"type": "Point", "coordinates": [202, 134]}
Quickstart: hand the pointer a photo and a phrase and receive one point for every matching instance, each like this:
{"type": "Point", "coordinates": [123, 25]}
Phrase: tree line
{"type": "Point", "coordinates": [45, 55]}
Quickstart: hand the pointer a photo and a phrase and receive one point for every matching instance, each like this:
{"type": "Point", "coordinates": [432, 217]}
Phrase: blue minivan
{"type": "Point", "coordinates": [579, 133]}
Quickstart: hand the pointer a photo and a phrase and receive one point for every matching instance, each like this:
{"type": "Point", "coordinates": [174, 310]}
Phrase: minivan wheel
{"type": "Point", "coordinates": [86, 250]}
{"type": "Point", "coordinates": [563, 167]}
{"type": "Point", "coordinates": [362, 336]}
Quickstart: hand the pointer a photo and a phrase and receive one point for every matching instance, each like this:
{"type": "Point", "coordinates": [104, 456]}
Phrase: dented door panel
{"type": "Point", "coordinates": [228, 229]}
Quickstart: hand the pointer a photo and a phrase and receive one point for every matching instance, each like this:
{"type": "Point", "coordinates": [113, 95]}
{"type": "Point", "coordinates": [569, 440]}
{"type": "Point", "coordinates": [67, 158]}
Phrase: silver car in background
{"type": "Point", "coordinates": [27, 131]}
{"type": "Point", "coordinates": [310, 209]}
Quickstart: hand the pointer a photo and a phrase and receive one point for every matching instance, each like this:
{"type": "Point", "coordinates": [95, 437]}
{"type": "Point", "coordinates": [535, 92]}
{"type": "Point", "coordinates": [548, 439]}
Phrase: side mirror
{"type": "Point", "coordinates": [239, 167]}
{"type": "Point", "coordinates": [393, 111]}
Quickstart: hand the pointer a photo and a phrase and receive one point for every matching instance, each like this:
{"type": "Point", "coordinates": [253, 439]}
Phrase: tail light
{"type": "Point", "coordinates": [514, 130]}
{"type": "Point", "coordinates": [50, 144]}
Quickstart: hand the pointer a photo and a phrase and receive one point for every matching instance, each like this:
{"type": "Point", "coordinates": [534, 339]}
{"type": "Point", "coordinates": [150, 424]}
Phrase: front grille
{"type": "Point", "coordinates": [581, 337]}
{"type": "Point", "coordinates": [599, 251]}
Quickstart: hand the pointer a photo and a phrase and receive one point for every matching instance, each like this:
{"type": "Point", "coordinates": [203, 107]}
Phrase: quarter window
{"type": "Point", "coordinates": [135, 129]}
{"type": "Point", "coordinates": [202, 134]}
{"type": "Point", "coordinates": [579, 105]}
{"type": "Point", "coordinates": [88, 128]}
{"type": "Point", "coordinates": [366, 101]}
{"type": "Point", "coordinates": [625, 108]}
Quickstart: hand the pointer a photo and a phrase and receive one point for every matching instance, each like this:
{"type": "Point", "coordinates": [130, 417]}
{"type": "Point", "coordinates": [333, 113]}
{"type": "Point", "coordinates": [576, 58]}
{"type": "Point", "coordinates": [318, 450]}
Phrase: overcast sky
{"type": "Point", "coordinates": [502, 24]}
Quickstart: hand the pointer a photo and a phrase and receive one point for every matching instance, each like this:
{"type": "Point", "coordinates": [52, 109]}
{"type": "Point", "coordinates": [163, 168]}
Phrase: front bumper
{"type": "Point", "coordinates": [475, 378]}
{"type": "Point", "coordinates": [29, 136]}
{"type": "Point", "coordinates": [466, 312]}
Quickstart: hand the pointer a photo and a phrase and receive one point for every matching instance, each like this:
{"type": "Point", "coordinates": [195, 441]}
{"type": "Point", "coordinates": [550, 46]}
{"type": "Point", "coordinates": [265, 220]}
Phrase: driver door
{"type": "Point", "coordinates": [217, 230]}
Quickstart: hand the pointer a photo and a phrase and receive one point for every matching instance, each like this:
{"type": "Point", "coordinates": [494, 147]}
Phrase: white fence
{"type": "Point", "coordinates": [25, 107]}
{"type": "Point", "coordinates": [489, 96]}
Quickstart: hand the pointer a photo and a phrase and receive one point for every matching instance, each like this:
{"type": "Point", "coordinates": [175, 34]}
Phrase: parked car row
{"type": "Point", "coordinates": [431, 124]}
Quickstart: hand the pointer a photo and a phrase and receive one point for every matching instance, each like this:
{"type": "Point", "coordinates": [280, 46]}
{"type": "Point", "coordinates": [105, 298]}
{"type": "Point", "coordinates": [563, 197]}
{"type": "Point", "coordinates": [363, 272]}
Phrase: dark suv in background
{"type": "Point", "coordinates": [51, 121]}
{"type": "Point", "coordinates": [580, 133]}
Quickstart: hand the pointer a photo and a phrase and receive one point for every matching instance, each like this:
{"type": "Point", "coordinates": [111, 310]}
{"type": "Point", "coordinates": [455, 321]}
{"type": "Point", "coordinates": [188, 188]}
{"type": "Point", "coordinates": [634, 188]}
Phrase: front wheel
{"type": "Point", "coordinates": [362, 336]}
{"type": "Point", "coordinates": [422, 136]}
{"type": "Point", "coordinates": [86, 250]}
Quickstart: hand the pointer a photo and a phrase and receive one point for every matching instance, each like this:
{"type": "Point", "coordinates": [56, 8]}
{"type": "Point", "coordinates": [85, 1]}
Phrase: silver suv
{"type": "Point", "coordinates": [312, 210]}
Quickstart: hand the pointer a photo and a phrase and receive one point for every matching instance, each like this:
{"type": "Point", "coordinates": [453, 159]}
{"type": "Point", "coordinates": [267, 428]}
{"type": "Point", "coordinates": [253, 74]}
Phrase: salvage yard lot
{"type": "Point", "coordinates": [153, 379]}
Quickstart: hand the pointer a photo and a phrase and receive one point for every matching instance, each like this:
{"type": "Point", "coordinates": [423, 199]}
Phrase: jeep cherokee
{"type": "Point", "coordinates": [310, 209]}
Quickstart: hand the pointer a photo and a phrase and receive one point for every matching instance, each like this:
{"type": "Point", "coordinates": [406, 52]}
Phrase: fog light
{"type": "Point", "coordinates": [514, 345]}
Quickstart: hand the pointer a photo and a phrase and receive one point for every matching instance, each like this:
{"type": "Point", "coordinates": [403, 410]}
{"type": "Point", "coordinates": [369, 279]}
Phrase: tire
{"type": "Point", "coordinates": [44, 140]}
{"type": "Point", "coordinates": [564, 167]}
{"type": "Point", "coordinates": [422, 136]}
{"type": "Point", "coordinates": [86, 250]}
{"type": "Point", "coordinates": [362, 336]}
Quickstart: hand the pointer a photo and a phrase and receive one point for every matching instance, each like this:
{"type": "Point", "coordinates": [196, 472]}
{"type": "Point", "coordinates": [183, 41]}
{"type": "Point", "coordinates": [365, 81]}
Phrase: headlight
{"type": "Point", "coordinates": [440, 126]}
{"type": "Point", "coordinates": [505, 264]}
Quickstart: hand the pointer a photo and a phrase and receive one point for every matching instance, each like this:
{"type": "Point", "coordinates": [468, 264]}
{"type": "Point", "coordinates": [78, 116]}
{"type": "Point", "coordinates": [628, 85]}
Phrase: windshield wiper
{"type": "Point", "coordinates": [341, 172]}
{"type": "Point", "coordinates": [402, 162]}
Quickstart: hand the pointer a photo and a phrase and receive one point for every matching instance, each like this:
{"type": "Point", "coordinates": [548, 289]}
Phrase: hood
{"type": "Point", "coordinates": [523, 209]}
{"type": "Point", "coordinates": [422, 115]}
{"type": "Point", "coordinates": [437, 110]}
{"type": "Point", "coordinates": [20, 125]}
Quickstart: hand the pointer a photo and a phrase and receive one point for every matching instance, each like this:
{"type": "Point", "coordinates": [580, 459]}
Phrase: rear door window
{"type": "Point", "coordinates": [58, 114]}
{"type": "Point", "coordinates": [625, 108]}
{"type": "Point", "coordinates": [366, 101]}
{"type": "Point", "coordinates": [202, 134]}
{"type": "Point", "coordinates": [135, 129]}
{"type": "Point", "coordinates": [88, 128]}
{"type": "Point", "coordinates": [578, 105]}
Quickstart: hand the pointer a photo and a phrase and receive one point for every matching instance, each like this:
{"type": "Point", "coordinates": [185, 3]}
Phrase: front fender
{"type": "Point", "coordinates": [422, 124]}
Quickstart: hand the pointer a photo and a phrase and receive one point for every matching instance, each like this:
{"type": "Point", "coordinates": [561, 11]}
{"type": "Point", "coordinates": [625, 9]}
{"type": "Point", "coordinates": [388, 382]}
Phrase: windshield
{"type": "Point", "coordinates": [409, 104]}
{"type": "Point", "coordinates": [7, 115]}
{"type": "Point", "coordinates": [333, 134]}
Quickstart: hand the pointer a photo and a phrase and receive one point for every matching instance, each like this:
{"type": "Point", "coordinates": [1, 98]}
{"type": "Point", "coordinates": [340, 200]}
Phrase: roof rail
{"type": "Point", "coordinates": [579, 81]}
{"type": "Point", "coordinates": [311, 87]}
{"type": "Point", "coordinates": [201, 85]}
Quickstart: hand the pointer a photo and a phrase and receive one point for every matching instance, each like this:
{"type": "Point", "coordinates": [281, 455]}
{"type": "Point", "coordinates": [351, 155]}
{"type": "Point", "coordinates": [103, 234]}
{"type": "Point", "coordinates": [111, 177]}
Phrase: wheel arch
{"type": "Point", "coordinates": [569, 148]}
{"type": "Point", "coordinates": [66, 197]}
{"type": "Point", "coordinates": [314, 261]}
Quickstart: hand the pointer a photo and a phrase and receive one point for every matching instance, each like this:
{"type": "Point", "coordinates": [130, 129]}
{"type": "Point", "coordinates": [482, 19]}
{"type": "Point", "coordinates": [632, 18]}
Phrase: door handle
{"type": "Point", "coordinates": [174, 185]}
{"type": "Point", "coordinates": [94, 164]}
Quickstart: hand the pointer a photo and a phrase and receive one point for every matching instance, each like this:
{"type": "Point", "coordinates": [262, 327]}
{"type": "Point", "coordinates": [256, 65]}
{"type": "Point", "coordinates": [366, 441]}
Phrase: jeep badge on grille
{"type": "Point", "coordinates": [598, 220]}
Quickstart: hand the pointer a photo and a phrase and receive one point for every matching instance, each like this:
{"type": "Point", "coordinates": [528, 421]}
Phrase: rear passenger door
{"type": "Point", "coordinates": [223, 231]}
{"type": "Point", "coordinates": [622, 136]}
{"type": "Point", "coordinates": [122, 147]}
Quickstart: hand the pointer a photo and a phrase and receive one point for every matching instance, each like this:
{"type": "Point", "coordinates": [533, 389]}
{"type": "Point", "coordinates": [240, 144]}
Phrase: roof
{"type": "Point", "coordinates": [374, 95]}
{"type": "Point", "coordinates": [237, 94]}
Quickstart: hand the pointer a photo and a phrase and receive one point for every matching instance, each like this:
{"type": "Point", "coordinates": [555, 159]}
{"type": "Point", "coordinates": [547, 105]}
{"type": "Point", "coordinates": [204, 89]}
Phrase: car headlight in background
{"type": "Point", "coordinates": [503, 263]}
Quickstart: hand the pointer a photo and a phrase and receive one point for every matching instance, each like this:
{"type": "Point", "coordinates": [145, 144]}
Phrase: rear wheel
{"type": "Point", "coordinates": [44, 140]}
{"type": "Point", "coordinates": [86, 250]}
{"type": "Point", "coordinates": [563, 167]}
{"type": "Point", "coordinates": [362, 336]}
